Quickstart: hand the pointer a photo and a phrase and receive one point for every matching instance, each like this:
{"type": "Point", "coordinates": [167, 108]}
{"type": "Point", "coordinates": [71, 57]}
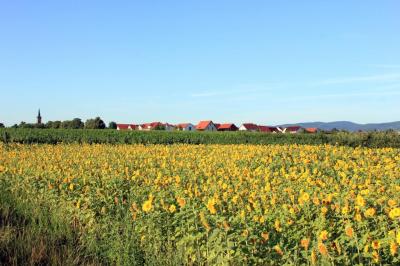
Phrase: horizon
{"type": "Point", "coordinates": [44, 121]}
{"type": "Point", "coordinates": [265, 63]}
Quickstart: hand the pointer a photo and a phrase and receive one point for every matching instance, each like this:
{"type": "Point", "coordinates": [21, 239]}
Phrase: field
{"type": "Point", "coordinates": [56, 136]}
{"type": "Point", "coordinates": [199, 204]}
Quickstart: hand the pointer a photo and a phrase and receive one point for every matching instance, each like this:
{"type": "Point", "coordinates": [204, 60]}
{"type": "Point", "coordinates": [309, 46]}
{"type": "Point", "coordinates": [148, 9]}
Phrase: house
{"type": "Point", "coordinates": [206, 126]}
{"type": "Point", "coordinates": [274, 130]}
{"type": "Point", "coordinates": [186, 127]}
{"type": "Point", "coordinates": [266, 129]}
{"type": "Point", "coordinates": [294, 129]}
{"type": "Point", "coordinates": [311, 130]}
{"type": "Point", "coordinates": [249, 127]}
{"type": "Point", "coordinates": [291, 129]}
{"type": "Point", "coordinates": [281, 129]}
{"type": "Point", "coordinates": [126, 127]}
{"type": "Point", "coordinates": [169, 127]}
{"type": "Point", "coordinates": [227, 127]}
{"type": "Point", "coordinates": [151, 126]}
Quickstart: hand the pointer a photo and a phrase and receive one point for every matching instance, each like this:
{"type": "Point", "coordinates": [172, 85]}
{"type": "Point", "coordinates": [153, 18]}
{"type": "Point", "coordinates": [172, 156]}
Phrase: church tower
{"type": "Point", "coordinates": [39, 118]}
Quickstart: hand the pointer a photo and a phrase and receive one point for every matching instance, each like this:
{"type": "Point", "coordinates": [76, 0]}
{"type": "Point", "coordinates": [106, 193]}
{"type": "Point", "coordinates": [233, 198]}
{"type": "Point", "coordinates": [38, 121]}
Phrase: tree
{"type": "Point", "coordinates": [96, 123]}
{"type": "Point", "coordinates": [53, 124]}
{"type": "Point", "coordinates": [77, 123]}
{"type": "Point", "coordinates": [57, 124]}
{"type": "Point", "coordinates": [25, 125]}
{"type": "Point", "coordinates": [112, 125]}
{"type": "Point", "coordinates": [159, 127]}
{"type": "Point", "coordinates": [2, 125]}
{"type": "Point", "coordinates": [66, 124]}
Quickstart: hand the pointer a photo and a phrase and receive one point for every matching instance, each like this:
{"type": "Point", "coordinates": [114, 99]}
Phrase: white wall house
{"type": "Point", "coordinates": [186, 127]}
{"type": "Point", "coordinates": [291, 130]}
{"type": "Point", "coordinates": [249, 127]}
{"type": "Point", "coordinates": [126, 127]}
{"type": "Point", "coordinates": [281, 129]}
{"type": "Point", "coordinates": [169, 127]}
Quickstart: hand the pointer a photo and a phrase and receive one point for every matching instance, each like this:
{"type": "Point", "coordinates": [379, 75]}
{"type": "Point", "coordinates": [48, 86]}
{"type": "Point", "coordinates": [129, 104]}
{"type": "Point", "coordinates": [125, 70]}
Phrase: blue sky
{"type": "Point", "coordinates": [268, 62]}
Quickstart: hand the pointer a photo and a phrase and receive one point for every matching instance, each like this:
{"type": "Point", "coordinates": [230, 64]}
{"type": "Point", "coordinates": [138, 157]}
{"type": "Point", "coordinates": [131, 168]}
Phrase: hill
{"type": "Point", "coordinates": [350, 126]}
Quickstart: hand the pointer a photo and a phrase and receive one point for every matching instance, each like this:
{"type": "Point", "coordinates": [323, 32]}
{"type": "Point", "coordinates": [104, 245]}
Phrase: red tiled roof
{"type": "Point", "coordinates": [217, 125]}
{"type": "Point", "coordinates": [227, 126]}
{"type": "Point", "coordinates": [265, 128]}
{"type": "Point", "coordinates": [250, 126]}
{"type": "Point", "coordinates": [146, 125]}
{"type": "Point", "coordinates": [151, 125]}
{"type": "Point", "coordinates": [126, 126]}
{"type": "Point", "coordinates": [123, 126]}
{"type": "Point", "coordinates": [182, 125]}
{"type": "Point", "coordinates": [203, 124]}
{"type": "Point", "coordinates": [311, 129]}
{"type": "Point", "coordinates": [293, 128]}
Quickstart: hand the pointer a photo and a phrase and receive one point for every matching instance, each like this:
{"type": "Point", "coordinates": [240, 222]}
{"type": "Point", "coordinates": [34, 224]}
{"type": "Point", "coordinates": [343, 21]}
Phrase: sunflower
{"type": "Point", "coordinates": [147, 205]}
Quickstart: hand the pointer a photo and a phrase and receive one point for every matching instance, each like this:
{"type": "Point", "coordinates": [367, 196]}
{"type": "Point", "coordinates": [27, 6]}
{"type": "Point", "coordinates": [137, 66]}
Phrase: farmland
{"type": "Point", "coordinates": [204, 204]}
{"type": "Point", "coordinates": [56, 136]}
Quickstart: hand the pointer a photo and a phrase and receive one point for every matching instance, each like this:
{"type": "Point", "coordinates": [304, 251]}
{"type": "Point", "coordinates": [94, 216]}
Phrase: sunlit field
{"type": "Point", "coordinates": [211, 204]}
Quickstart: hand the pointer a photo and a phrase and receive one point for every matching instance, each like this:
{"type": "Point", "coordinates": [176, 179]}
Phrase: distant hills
{"type": "Point", "coordinates": [349, 126]}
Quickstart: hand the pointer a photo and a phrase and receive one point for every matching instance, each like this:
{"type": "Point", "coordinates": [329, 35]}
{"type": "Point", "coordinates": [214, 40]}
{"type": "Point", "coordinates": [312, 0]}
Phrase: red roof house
{"type": "Point", "coordinates": [227, 127]}
{"type": "Point", "coordinates": [126, 127]}
{"type": "Point", "coordinates": [293, 129]}
{"type": "Point", "coordinates": [311, 130]}
{"type": "Point", "coordinates": [185, 127]}
{"type": "Point", "coordinates": [249, 127]}
{"type": "Point", "coordinates": [169, 127]}
{"type": "Point", "coordinates": [206, 126]}
{"type": "Point", "coordinates": [265, 129]}
{"type": "Point", "coordinates": [150, 126]}
{"type": "Point", "coordinates": [274, 130]}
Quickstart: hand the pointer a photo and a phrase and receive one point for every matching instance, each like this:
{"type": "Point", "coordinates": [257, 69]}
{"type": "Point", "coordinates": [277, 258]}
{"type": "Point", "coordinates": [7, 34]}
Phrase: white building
{"type": "Point", "coordinates": [249, 127]}
{"type": "Point", "coordinates": [186, 127]}
{"type": "Point", "coordinates": [126, 127]}
{"type": "Point", "coordinates": [169, 127]}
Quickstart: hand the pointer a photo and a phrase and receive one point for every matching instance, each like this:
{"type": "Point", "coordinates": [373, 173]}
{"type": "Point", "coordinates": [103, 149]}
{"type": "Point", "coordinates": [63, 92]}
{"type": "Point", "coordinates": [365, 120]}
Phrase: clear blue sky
{"type": "Point", "coordinates": [268, 62]}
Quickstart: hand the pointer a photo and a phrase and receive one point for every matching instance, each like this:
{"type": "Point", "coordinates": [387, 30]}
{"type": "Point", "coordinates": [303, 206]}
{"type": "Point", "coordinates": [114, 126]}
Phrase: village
{"type": "Point", "coordinates": [209, 125]}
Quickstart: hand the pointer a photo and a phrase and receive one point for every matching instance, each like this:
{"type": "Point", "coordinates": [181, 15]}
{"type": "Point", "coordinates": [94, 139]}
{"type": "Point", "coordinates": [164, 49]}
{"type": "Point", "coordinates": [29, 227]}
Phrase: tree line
{"type": "Point", "coordinates": [76, 123]}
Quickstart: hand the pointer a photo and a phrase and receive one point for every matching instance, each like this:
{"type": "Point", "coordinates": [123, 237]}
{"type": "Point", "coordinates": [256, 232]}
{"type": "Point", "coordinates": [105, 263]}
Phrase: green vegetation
{"type": "Point", "coordinates": [112, 125]}
{"type": "Point", "coordinates": [34, 233]}
{"type": "Point", "coordinates": [55, 136]}
{"type": "Point", "coordinates": [76, 123]}
{"type": "Point", "coordinates": [96, 123]}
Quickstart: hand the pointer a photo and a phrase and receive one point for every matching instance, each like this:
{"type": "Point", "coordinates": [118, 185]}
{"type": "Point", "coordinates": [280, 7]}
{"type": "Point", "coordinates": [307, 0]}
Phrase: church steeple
{"type": "Point", "coordinates": [39, 118]}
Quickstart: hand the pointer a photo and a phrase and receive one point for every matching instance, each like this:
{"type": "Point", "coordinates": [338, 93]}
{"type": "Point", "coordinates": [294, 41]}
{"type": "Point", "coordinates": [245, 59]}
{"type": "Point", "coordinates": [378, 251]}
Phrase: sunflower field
{"type": "Point", "coordinates": [186, 204]}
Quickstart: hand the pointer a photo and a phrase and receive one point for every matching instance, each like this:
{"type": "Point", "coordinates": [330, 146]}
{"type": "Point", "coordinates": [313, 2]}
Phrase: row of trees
{"type": "Point", "coordinates": [76, 123]}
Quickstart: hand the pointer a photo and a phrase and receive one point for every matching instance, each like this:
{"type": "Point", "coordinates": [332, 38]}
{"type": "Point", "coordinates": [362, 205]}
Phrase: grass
{"type": "Point", "coordinates": [33, 232]}
{"type": "Point", "coordinates": [33, 236]}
